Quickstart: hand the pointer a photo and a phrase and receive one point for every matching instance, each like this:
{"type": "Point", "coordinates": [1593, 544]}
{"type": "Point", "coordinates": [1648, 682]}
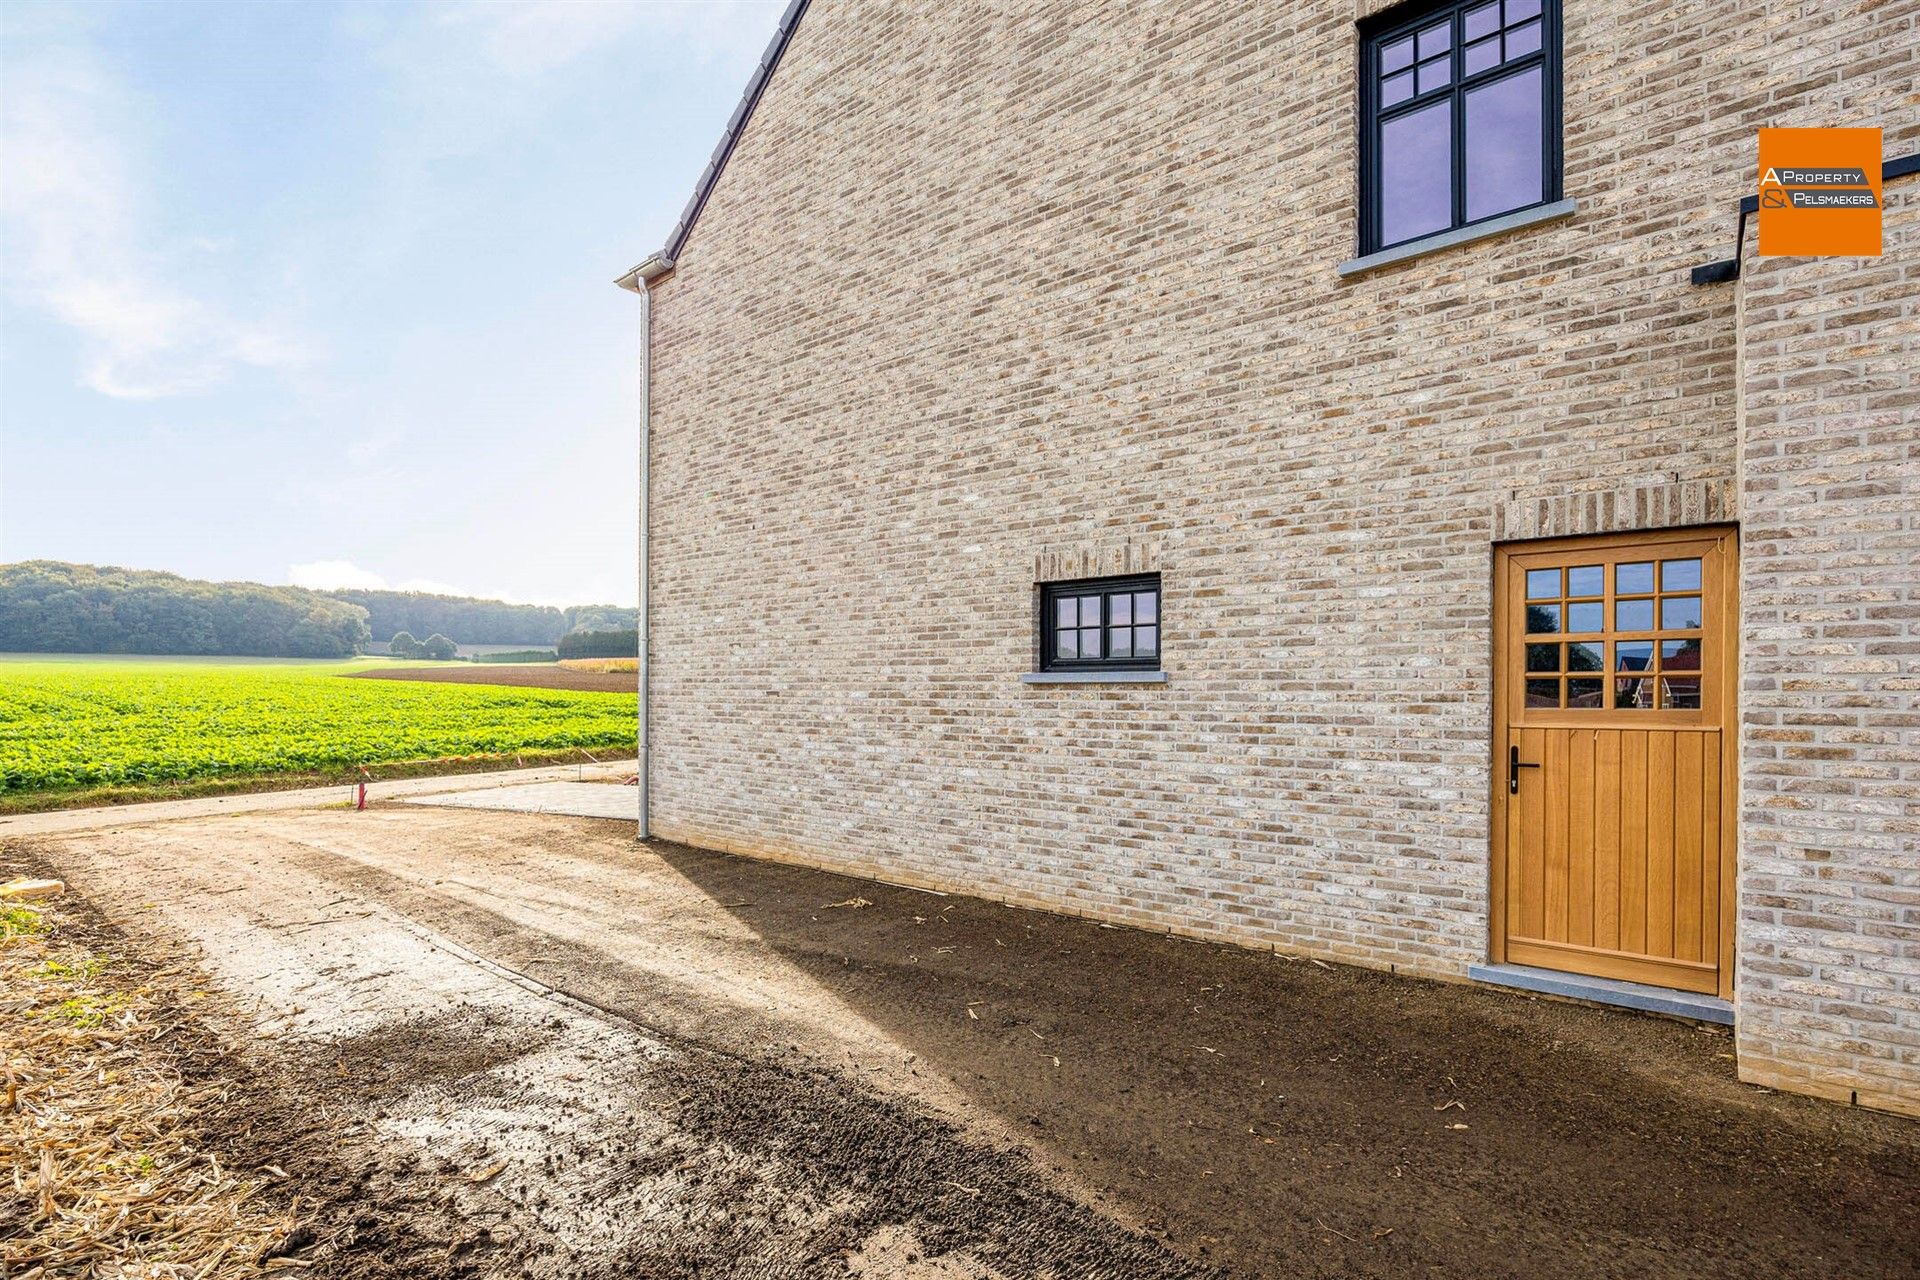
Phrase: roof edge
{"type": "Point", "coordinates": [717, 163]}
{"type": "Point", "coordinates": [656, 267]}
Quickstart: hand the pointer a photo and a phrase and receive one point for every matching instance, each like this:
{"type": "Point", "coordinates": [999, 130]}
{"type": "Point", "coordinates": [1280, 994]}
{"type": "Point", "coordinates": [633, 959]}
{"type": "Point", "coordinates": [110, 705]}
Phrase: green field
{"type": "Point", "coordinates": [88, 723]}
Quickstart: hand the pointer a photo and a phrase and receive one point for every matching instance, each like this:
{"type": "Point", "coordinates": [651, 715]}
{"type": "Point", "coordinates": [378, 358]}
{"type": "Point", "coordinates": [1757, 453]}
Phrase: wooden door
{"type": "Point", "coordinates": [1613, 778]}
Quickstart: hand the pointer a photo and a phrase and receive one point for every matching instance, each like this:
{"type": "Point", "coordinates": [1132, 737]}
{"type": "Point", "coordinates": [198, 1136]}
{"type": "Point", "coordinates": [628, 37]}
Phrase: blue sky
{"type": "Point", "coordinates": [322, 292]}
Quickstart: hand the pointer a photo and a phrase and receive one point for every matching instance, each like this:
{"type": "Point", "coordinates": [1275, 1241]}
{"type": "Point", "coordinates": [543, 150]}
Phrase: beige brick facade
{"type": "Point", "coordinates": [994, 294]}
{"type": "Point", "coordinates": [1829, 974]}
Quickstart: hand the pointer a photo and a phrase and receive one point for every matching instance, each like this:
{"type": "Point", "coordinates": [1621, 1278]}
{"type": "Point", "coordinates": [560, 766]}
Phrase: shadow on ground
{"type": "Point", "coordinates": [842, 1062]}
{"type": "Point", "coordinates": [1283, 1118]}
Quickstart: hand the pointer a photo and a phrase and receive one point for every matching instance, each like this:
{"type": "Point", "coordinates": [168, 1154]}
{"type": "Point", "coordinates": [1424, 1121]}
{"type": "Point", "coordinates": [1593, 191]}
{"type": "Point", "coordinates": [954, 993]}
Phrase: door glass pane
{"type": "Point", "coordinates": [1633, 579]}
{"type": "Point", "coordinates": [1585, 693]}
{"type": "Point", "coordinates": [1591, 616]}
{"type": "Point", "coordinates": [1633, 615]}
{"type": "Point", "coordinates": [1543, 693]}
{"type": "Point", "coordinates": [1396, 55]}
{"type": "Point", "coordinates": [1680, 655]}
{"type": "Point", "coordinates": [1679, 613]}
{"type": "Point", "coordinates": [1416, 173]}
{"type": "Point", "coordinates": [1634, 695]}
{"type": "Point", "coordinates": [1503, 162]}
{"type": "Point", "coordinates": [1633, 655]}
{"type": "Point", "coordinates": [1543, 584]}
{"type": "Point", "coordinates": [1587, 580]}
{"type": "Point", "coordinates": [1518, 10]}
{"type": "Point", "coordinates": [1396, 89]}
{"type": "Point", "coordinates": [1585, 657]}
{"type": "Point", "coordinates": [1543, 619]}
{"type": "Point", "coordinates": [1679, 575]}
{"type": "Point", "coordinates": [1543, 657]}
{"type": "Point", "coordinates": [1435, 74]}
{"type": "Point", "coordinates": [1435, 40]}
{"type": "Point", "coordinates": [1680, 693]}
{"type": "Point", "coordinates": [1478, 22]}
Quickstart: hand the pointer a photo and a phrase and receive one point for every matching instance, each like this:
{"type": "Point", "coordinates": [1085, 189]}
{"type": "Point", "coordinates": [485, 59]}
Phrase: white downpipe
{"type": "Point", "coordinates": [643, 620]}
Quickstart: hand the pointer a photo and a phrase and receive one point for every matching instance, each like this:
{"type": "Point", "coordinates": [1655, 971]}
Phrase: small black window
{"type": "Point", "coordinates": [1460, 116]}
{"type": "Point", "coordinates": [1100, 623]}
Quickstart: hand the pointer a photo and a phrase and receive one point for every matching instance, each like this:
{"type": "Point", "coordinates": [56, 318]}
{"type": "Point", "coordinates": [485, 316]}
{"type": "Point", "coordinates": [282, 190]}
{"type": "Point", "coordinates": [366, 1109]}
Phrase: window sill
{"type": "Point", "coordinates": [1094, 677]}
{"type": "Point", "coordinates": [1425, 245]}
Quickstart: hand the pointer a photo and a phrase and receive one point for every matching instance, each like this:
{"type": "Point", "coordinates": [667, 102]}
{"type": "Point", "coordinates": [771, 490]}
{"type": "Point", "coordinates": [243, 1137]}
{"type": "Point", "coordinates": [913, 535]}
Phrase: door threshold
{"type": "Point", "coordinates": [1629, 995]}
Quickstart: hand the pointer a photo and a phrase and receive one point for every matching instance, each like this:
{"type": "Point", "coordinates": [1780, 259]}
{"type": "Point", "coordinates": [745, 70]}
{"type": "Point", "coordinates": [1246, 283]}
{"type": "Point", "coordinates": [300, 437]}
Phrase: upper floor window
{"type": "Point", "coordinates": [1460, 116]}
{"type": "Point", "coordinates": [1100, 623]}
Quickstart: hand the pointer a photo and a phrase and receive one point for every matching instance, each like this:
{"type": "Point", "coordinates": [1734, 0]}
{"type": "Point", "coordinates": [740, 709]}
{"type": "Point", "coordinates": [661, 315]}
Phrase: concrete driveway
{"type": "Point", "coordinates": [497, 1044]}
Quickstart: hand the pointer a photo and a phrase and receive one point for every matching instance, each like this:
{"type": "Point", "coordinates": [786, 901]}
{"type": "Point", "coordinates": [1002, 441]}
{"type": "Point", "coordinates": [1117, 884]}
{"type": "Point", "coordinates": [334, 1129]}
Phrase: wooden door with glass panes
{"type": "Point", "coordinates": [1613, 775]}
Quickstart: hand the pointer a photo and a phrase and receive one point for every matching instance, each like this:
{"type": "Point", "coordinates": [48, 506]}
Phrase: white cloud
{"type": "Point", "coordinates": [433, 588]}
{"type": "Point", "coordinates": [334, 575]}
{"type": "Point", "coordinates": [74, 214]}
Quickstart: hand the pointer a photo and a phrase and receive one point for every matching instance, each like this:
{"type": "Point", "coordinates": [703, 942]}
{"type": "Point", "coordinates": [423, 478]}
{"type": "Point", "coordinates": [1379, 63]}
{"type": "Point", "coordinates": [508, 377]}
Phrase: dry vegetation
{"type": "Point", "coordinates": [109, 1178]}
{"type": "Point", "coordinates": [606, 666]}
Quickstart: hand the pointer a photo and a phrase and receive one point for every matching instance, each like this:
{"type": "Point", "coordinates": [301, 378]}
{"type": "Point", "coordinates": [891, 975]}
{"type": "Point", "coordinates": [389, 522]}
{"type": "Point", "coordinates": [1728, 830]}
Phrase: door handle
{"type": "Point", "coordinates": [1514, 765]}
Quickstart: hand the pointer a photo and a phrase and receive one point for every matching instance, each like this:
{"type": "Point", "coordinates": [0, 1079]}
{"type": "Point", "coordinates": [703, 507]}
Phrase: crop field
{"type": "Point", "coordinates": [69, 723]}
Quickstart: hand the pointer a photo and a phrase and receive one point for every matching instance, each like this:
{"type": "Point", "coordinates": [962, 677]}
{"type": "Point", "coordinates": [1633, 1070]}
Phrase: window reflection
{"type": "Point", "coordinates": [1680, 693]}
{"type": "Point", "coordinates": [1679, 655]}
{"type": "Point", "coordinates": [1503, 145]}
{"type": "Point", "coordinates": [1416, 181]}
{"type": "Point", "coordinates": [1633, 615]}
{"type": "Point", "coordinates": [1589, 616]}
{"type": "Point", "coordinates": [1679, 613]}
{"type": "Point", "coordinates": [1628, 673]}
{"type": "Point", "coordinates": [1459, 125]}
{"type": "Point", "coordinates": [1633, 655]}
{"type": "Point", "coordinates": [1633, 579]}
{"type": "Point", "coordinates": [1679, 575]}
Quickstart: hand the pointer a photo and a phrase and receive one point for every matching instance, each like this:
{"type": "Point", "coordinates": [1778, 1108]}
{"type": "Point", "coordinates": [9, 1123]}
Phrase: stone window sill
{"type": "Point", "coordinates": [1094, 677]}
{"type": "Point", "coordinates": [1425, 245]}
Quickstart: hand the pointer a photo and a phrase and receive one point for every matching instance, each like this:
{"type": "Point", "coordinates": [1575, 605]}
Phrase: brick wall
{"type": "Point", "coordinates": [1829, 955]}
{"type": "Point", "coordinates": [991, 288]}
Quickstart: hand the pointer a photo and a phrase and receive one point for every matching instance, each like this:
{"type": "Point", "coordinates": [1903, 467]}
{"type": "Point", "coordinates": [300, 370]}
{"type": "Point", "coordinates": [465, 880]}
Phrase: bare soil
{"type": "Point", "coordinates": [538, 675]}
{"type": "Point", "coordinates": [495, 1045]}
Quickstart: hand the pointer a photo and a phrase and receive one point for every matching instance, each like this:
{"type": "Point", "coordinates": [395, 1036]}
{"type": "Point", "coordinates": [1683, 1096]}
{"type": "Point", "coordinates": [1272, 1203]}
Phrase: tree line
{"type": "Point", "coordinates": [472, 621]}
{"type": "Point", "coordinates": [49, 606]}
{"type": "Point", "coordinates": [601, 644]}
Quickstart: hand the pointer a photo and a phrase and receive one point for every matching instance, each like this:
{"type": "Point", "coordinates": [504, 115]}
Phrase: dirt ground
{"type": "Point", "coordinates": [497, 1045]}
{"type": "Point", "coordinates": [538, 675]}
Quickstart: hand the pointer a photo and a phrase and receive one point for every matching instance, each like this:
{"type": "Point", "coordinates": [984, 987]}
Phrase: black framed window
{"type": "Point", "coordinates": [1459, 116]}
{"type": "Point", "coordinates": [1100, 623]}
